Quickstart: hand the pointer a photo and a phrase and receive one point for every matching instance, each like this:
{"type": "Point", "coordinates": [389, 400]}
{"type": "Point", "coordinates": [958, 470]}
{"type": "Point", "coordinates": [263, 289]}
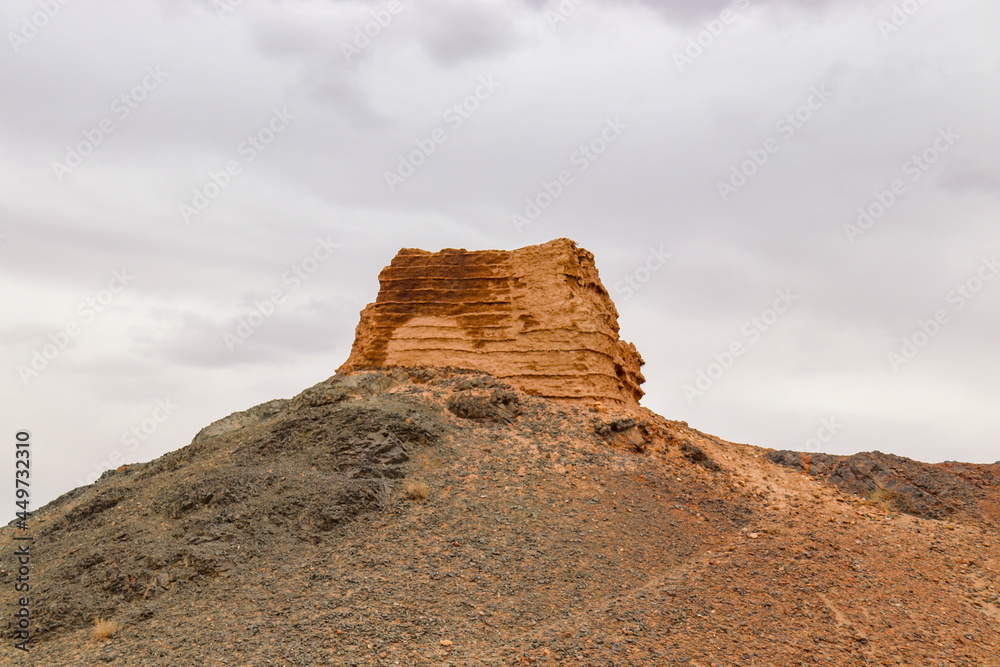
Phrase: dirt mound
{"type": "Point", "coordinates": [442, 517]}
{"type": "Point", "coordinates": [538, 318]}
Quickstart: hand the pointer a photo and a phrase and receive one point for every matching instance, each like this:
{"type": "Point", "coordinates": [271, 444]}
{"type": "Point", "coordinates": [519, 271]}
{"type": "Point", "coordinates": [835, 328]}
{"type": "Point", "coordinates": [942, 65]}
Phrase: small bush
{"type": "Point", "coordinates": [416, 490]}
{"type": "Point", "coordinates": [104, 629]}
{"type": "Point", "coordinates": [884, 499]}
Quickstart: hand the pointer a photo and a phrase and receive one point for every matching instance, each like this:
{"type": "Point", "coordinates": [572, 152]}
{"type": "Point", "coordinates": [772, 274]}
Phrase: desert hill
{"type": "Point", "coordinates": [422, 514]}
{"type": "Point", "coordinates": [438, 516]}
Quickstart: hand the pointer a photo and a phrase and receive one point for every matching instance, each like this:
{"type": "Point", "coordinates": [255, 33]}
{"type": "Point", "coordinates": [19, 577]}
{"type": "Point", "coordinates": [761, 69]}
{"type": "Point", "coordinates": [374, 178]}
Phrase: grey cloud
{"type": "Point", "coordinates": [972, 178]}
{"type": "Point", "coordinates": [459, 31]}
{"type": "Point", "coordinates": [693, 11]}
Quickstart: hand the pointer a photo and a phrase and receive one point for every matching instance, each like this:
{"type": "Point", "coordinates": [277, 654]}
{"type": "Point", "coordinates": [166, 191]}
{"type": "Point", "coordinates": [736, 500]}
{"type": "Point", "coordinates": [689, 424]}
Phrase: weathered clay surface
{"type": "Point", "coordinates": [537, 317]}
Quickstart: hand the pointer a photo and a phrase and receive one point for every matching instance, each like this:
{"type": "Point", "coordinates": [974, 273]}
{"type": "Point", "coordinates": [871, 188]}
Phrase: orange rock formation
{"type": "Point", "coordinates": [537, 317]}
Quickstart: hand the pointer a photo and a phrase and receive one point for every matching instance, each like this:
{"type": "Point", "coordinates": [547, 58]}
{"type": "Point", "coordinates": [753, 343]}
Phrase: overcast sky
{"type": "Point", "coordinates": [793, 204]}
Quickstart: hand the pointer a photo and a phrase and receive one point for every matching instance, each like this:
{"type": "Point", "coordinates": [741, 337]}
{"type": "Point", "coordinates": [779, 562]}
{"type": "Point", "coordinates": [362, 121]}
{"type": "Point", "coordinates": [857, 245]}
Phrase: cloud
{"type": "Point", "coordinates": [688, 12]}
{"type": "Point", "coordinates": [457, 32]}
{"type": "Point", "coordinates": [971, 176]}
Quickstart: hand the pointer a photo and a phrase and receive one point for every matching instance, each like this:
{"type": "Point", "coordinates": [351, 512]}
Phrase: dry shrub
{"type": "Point", "coordinates": [104, 629]}
{"type": "Point", "coordinates": [884, 499]}
{"type": "Point", "coordinates": [415, 489]}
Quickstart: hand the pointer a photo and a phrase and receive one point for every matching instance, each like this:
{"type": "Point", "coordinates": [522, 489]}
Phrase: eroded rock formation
{"type": "Point", "coordinates": [537, 317]}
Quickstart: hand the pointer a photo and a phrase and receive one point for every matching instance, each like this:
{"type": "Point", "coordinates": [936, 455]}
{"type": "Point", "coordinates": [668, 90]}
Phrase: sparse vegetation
{"type": "Point", "coordinates": [884, 499]}
{"type": "Point", "coordinates": [104, 629]}
{"type": "Point", "coordinates": [417, 490]}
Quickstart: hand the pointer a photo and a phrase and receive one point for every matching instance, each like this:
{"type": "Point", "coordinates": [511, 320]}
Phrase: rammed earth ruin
{"type": "Point", "coordinates": [537, 317]}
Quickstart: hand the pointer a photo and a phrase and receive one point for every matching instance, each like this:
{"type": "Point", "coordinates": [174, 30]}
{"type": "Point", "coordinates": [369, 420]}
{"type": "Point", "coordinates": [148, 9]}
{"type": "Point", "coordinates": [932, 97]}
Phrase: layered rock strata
{"type": "Point", "coordinates": [537, 317]}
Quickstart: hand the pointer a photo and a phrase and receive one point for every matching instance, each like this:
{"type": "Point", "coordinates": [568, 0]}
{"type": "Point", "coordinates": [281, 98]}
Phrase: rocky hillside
{"type": "Point", "coordinates": [964, 492]}
{"type": "Point", "coordinates": [431, 516]}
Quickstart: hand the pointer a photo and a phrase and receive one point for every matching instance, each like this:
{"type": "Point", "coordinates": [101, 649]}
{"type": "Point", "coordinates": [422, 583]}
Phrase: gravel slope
{"type": "Point", "coordinates": [297, 533]}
